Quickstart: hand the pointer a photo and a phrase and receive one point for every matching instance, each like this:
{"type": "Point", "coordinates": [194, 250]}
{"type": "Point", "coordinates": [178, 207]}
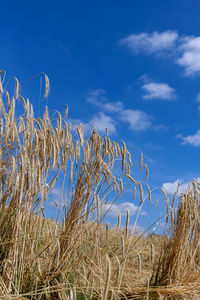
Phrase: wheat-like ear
{"type": "Point", "coordinates": [134, 193]}
{"type": "Point", "coordinates": [66, 111]}
{"type": "Point", "coordinates": [1, 87]}
{"type": "Point", "coordinates": [174, 197]}
{"type": "Point", "coordinates": [46, 86]}
{"type": "Point", "coordinates": [121, 185]}
{"type": "Point", "coordinates": [129, 157]}
{"type": "Point", "coordinates": [71, 171]}
{"type": "Point", "coordinates": [156, 203]}
{"type": "Point", "coordinates": [141, 193]}
{"type": "Point", "coordinates": [8, 99]}
{"type": "Point", "coordinates": [141, 162]}
{"type": "Point", "coordinates": [127, 221]}
{"type": "Point", "coordinates": [119, 219]}
{"type": "Point", "coordinates": [2, 128]}
{"type": "Point", "coordinates": [2, 106]}
{"type": "Point", "coordinates": [80, 134]}
{"type": "Point", "coordinates": [149, 192]}
{"type": "Point", "coordinates": [147, 172]}
{"type": "Point", "coordinates": [23, 101]}
{"type": "Point", "coordinates": [166, 199]}
{"type": "Point", "coordinates": [16, 88]}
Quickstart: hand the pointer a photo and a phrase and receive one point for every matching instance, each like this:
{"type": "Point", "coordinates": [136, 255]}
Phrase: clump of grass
{"type": "Point", "coordinates": [37, 260]}
{"type": "Point", "coordinates": [179, 261]}
{"type": "Point", "coordinates": [80, 257]}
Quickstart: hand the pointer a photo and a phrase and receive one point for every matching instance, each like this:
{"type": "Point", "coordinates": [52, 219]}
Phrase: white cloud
{"type": "Point", "coordinates": [138, 120]}
{"type": "Point", "coordinates": [186, 50]}
{"type": "Point", "coordinates": [190, 55]}
{"type": "Point", "coordinates": [171, 187]}
{"type": "Point", "coordinates": [122, 207]}
{"type": "Point", "coordinates": [97, 97]}
{"type": "Point", "coordinates": [101, 122]}
{"type": "Point", "coordinates": [193, 140]}
{"type": "Point", "coordinates": [94, 96]}
{"type": "Point", "coordinates": [150, 43]}
{"type": "Point", "coordinates": [113, 106]}
{"type": "Point", "coordinates": [160, 91]}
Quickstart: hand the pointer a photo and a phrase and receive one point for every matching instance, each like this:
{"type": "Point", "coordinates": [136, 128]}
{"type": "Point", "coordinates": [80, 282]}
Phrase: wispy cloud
{"type": "Point", "coordinates": [193, 140]}
{"type": "Point", "coordinates": [159, 91]}
{"type": "Point", "coordinates": [101, 122]}
{"type": "Point", "coordinates": [97, 97]}
{"type": "Point", "coordinates": [150, 42]}
{"type": "Point", "coordinates": [115, 114]}
{"type": "Point", "coordinates": [137, 120]}
{"type": "Point", "coordinates": [185, 49]}
{"type": "Point", "coordinates": [122, 207]}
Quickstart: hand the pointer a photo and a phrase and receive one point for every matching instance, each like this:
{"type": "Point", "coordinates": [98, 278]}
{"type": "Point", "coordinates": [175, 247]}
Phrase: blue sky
{"type": "Point", "coordinates": [131, 66]}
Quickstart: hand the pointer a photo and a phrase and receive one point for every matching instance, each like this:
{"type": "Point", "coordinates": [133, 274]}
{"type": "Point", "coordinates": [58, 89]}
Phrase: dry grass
{"type": "Point", "coordinates": [81, 258]}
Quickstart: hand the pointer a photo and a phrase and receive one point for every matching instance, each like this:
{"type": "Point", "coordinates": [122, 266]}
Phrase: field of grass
{"type": "Point", "coordinates": [80, 257]}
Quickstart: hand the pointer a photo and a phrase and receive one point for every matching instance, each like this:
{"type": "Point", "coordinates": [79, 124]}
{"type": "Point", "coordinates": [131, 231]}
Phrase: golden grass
{"type": "Point", "coordinates": [81, 258]}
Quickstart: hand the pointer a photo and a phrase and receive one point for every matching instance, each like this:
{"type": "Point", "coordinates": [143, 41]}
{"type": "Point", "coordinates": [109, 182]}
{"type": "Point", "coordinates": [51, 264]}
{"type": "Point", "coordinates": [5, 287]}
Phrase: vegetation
{"type": "Point", "coordinates": [80, 258]}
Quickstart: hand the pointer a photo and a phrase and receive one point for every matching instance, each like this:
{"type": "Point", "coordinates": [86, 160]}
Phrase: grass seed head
{"type": "Point", "coordinates": [16, 88]}
{"type": "Point", "coordinates": [141, 161]}
{"type": "Point", "coordinates": [46, 86]}
{"type": "Point", "coordinates": [134, 193]}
